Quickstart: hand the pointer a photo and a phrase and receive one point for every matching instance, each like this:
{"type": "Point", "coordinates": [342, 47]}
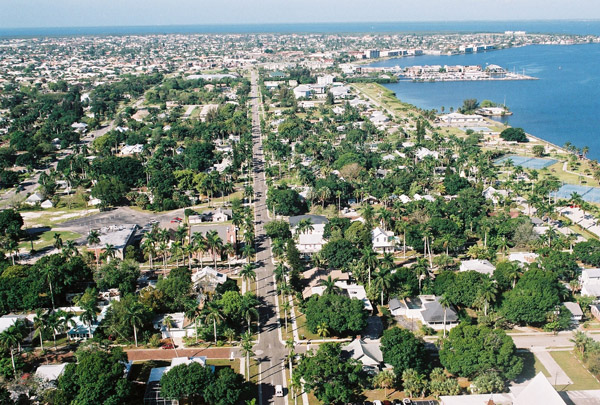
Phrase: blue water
{"type": "Point", "coordinates": [580, 27]}
{"type": "Point", "coordinates": [563, 105]}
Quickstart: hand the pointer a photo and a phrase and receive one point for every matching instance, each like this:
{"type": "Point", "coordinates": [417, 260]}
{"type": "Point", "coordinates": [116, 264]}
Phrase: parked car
{"type": "Point", "coordinates": [278, 390]}
{"type": "Point", "coordinates": [176, 220]}
{"type": "Point", "coordinates": [168, 346]}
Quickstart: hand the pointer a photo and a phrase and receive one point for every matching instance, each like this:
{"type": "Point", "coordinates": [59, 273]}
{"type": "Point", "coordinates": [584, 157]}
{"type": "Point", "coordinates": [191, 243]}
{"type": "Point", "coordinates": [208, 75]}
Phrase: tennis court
{"type": "Point", "coordinates": [589, 194]}
{"type": "Point", "coordinates": [526, 162]}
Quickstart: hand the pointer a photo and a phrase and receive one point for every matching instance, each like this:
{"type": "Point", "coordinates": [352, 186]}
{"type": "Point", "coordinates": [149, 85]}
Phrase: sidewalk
{"type": "Point", "coordinates": [557, 375]}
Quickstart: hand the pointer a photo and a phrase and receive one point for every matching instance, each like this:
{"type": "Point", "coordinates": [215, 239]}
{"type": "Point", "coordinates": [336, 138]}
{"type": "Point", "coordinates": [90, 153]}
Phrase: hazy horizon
{"type": "Point", "coordinates": [113, 13]}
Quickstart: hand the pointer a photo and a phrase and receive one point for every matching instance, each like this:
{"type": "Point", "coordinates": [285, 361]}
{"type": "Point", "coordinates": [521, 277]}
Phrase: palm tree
{"type": "Point", "coordinates": [580, 339]}
{"type": "Point", "coordinates": [369, 260]}
{"type": "Point", "coordinates": [249, 310]}
{"type": "Point", "coordinates": [246, 347]}
{"type": "Point", "coordinates": [322, 329]}
{"type": "Point", "coordinates": [248, 274]}
{"type": "Point", "coordinates": [39, 324]}
{"type": "Point", "coordinates": [176, 248]}
{"type": "Point", "coordinates": [58, 242]}
{"type": "Point", "coordinates": [445, 303]}
{"type": "Point", "coordinates": [229, 334]}
{"type": "Point", "coordinates": [383, 280]}
{"type": "Point", "coordinates": [215, 244]}
{"type": "Point", "coordinates": [304, 226]}
{"type": "Point", "coordinates": [248, 251]}
{"type": "Point", "coordinates": [385, 380]}
{"type": "Point", "coordinates": [94, 239]}
{"type": "Point", "coordinates": [280, 273]}
{"type": "Point", "coordinates": [188, 251]}
{"type": "Point", "coordinates": [487, 292]}
{"type": "Point", "coordinates": [163, 248]}
{"type": "Point", "coordinates": [421, 271]}
{"type": "Point", "coordinates": [213, 314]}
{"type": "Point", "coordinates": [200, 245]}
{"type": "Point", "coordinates": [194, 312]}
{"type": "Point", "coordinates": [286, 307]}
{"type": "Point", "coordinates": [134, 315]}
{"type": "Point", "coordinates": [66, 320]}
{"type": "Point", "coordinates": [329, 284]}
{"type": "Point", "coordinates": [149, 248]}
{"type": "Point", "coordinates": [290, 344]}
{"type": "Point", "coordinates": [53, 322]}
{"type": "Point", "coordinates": [110, 251]}
{"type": "Point", "coordinates": [10, 339]}
{"type": "Point", "coordinates": [70, 248]}
{"type": "Point", "coordinates": [229, 250]}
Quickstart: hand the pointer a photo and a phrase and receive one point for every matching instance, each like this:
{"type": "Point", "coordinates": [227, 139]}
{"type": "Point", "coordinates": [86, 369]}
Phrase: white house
{"type": "Point", "coordinates": [129, 150]}
{"type": "Point", "coordinates": [34, 199]}
{"type": "Point", "coordinates": [426, 309]}
{"type": "Point", "coordinates": [462, 119]}
{"type": "Point", "coordinates": [325, 79]}
{"type": "Point", "coordinates": [47, 204]}
{"type": "Point", "coordinates": [494, 195]}
{"type": "Point", "coordinates": [537, 391]}
{"type": "Point", "coordinates": [590, 282]}
{"type": "Point", "coordinates": [575, 310]}
{"type": "Point", "coordinates": [480, 266]}
{"type": "Point", "coordinates": [523, 257]}
{"type": "Point", "coordinates": [50, 372]}
{"type": "Point", "coordinates": [383, 241]}
{"type": "Point", "coordinates": [309, 241]}
{"type": "Point", "coordinates": [208, 277]}
{"type": "Point", "coordinates": [302, 91]}
{"type": "Point", "coordinates": [369, 354]}
{"type": "Point", "coordinates": [179, 327]}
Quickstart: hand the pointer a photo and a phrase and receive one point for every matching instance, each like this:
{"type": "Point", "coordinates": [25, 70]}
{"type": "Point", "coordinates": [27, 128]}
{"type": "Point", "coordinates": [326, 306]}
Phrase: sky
{"type": "Point", "coordinates": [84, 13]}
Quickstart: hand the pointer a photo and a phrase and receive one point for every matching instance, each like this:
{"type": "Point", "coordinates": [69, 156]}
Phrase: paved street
{"type": "Point", "coordinates": [269, 350]}
{"type": "Point", "coordinates": [534, 341]}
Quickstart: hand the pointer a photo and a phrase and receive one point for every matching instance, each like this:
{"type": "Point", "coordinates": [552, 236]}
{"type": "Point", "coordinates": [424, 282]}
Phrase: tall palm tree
{"type": "Point", "coordinates": [248, 274]}
{"type": "Point", "coordinates": [149, 248]}
{"type": "Point", "coordinates": [280, 273]}
{"type": "Point", "coordinates": [249, 310]}
{"type": "Point", "coordinates": [290, 344]}
{"type": "Point", "coordinates": [487, 293]}
{"type": "Point", "coordinates": [248, 251]}
{"type": "Point", "coordinates": [369, 260]}
{"type": "Point", "coordinates": [163, 248]}
{"type": "Point", "coordinates": [188, 251]}
{"type": "Point", "coordinates": [176, 248]}
{"type": "Point", "coordinates": [70, 248]}
{"type": "Point", "coordinates": [10, 339]}
{"type": "Point", "coordinates": [445, 303]}
{"type": "Point", "coordinates": [246, 347]}
{"type": "Point", "coordinates": [229, 250]}
{"type": "Point", "coordinates": [286, 307]}
{"type": "Point", "coordinates": [94, 240]}
{"type": "Point", "coordinates": [194, 312]}
{"type": "Point", "coordinates": [383, 280]}
{"type": "Point", "coordinates": [39, 325]}
{"type": "Point", "coordinates": [200, 244]}
{"type": "Point", "coordinates": [213, 314]}
{"type": "Point", "coordinates": [215, 244]}
{"type": "Point", "coordinates": [53, 322]}
{"type": "Point", "coordinates": [134, 315]}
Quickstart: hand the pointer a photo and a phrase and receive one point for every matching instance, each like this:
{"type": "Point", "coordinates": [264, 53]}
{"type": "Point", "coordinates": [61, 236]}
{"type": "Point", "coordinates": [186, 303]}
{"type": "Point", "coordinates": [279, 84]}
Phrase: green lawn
{"type": "Point", "coordinates": [582, 379]}
{"type": "Point", "coordinates": [47, 239]}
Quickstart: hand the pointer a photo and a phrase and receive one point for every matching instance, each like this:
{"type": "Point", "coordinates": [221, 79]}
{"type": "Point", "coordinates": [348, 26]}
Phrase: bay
{"type": "Point", "coordinates": [562, 106]}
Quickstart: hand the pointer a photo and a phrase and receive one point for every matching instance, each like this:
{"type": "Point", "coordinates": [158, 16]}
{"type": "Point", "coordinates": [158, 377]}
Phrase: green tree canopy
{"type": "Point", "coordinates": [404, 351]}
{"type": "Point", "coordinates": [470, 350]}
{"type": "Point", "coordinates": [339, 313]}
{"type": "Point", "coordinates": [332, 377]}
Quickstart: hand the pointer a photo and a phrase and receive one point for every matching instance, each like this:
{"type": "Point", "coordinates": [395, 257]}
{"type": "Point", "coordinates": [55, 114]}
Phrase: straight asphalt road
{"type": "Point", "coordinates": [270, 350]}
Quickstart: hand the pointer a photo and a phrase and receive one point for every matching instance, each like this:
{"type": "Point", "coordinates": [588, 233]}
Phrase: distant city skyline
{"type": "Point", "coordinates": [77, 13]}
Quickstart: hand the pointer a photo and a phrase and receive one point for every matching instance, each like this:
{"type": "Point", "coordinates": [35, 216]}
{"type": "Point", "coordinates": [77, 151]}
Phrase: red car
{"type": "Point", "coordinates": [168, 346]}
{"type": "Point", "coordinates": [176, 220]}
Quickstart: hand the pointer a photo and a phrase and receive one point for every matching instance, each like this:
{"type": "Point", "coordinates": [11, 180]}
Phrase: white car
{"type": "Point", "coordinates": [279, 390]}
